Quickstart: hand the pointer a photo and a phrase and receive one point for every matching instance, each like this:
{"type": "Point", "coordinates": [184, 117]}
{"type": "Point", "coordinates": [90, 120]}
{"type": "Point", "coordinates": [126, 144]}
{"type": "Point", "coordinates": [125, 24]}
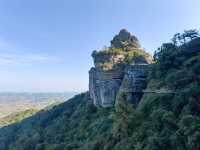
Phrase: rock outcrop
{"type": "Point", "coordinates": [121, 67]}
{"type": "Point", "coordinates": [104, 86]}
{"type": "Point", "coordinates": [134, 81]}
{"type": "Point", "coordinates": [125, 40]}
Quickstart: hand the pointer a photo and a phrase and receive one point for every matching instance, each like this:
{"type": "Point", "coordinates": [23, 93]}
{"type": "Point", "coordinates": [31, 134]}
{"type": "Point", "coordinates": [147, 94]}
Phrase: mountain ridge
{"type": "Point", "coordinates": [161, 121]}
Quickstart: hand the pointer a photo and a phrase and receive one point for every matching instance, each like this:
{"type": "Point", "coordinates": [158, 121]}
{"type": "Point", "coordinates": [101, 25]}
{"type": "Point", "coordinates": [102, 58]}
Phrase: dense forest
{"type": "Point", "coordinates": [161, 121]}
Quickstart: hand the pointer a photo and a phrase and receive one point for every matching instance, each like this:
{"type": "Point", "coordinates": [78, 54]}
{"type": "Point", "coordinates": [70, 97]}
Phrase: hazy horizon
{"type": "Point", "coordinates": [46, 46]}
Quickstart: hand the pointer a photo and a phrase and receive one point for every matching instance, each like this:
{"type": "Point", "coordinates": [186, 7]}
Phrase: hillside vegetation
{"type": "Point", "coordinates": [17, 117]}
{"type": "Point", "coordinates": [165, 121]}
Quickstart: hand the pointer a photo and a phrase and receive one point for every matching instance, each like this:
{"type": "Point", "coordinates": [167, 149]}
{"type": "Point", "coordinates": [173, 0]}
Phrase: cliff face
{"type": "Point", "coordinates": [134, 81]}
{"type": "Point", "coordinates": [119, 69]}
{"type": "Point", "coordinates": [104, 85]}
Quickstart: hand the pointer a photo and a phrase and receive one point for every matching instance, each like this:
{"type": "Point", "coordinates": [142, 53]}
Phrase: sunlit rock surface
{"type": "Point", "coordinates": [112, 73]}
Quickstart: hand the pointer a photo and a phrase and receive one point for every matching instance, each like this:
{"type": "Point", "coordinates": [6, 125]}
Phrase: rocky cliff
{"type": "Point", "coordinates": [121, 67]}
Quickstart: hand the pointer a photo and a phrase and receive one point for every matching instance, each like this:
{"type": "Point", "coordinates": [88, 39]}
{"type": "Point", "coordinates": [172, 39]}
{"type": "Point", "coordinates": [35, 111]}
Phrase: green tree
{"type": "Point", "coordinates": [120, 128]}
{"type": "Point", "coordinates": [191, 34]}
{"type": "Point", "coordinates": [126, 119]}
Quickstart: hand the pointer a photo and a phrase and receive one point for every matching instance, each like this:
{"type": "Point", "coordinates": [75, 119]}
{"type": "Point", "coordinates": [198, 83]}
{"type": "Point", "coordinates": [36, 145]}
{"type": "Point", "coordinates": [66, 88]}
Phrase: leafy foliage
{"type": "Point", "coordinates": [110, 58]}
{"type": "Point", "coordinates": [160, 122]}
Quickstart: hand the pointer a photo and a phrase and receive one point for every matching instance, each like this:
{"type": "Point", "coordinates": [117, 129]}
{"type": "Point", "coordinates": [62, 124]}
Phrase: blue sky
{"type": "Point", "coordinates": [45, 45]}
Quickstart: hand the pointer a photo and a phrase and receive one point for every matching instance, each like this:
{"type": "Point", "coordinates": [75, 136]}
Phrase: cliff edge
{"type": "Point", "coordinates": [121, 67]}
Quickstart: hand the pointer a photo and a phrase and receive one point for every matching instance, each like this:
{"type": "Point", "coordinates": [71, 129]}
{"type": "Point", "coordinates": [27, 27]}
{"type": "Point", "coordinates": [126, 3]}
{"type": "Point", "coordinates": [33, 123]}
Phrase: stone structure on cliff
{"type": "Point", "coordinates": [121, 67]}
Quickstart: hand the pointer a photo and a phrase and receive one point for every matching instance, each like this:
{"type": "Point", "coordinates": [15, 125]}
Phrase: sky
{"type": "Point", "coordinates": [46, 45]}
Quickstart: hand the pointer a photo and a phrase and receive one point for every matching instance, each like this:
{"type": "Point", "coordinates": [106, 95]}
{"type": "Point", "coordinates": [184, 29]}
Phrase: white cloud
{"type": "Point", "coordinates": [24, 59]}
{"type": "Point", "coordinates": [10, 54]}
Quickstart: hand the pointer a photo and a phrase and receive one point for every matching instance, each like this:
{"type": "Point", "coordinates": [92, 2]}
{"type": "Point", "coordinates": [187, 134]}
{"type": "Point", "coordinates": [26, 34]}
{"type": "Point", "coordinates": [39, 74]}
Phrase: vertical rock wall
{"type": "Point", "coordinates": [134, 82]}
{"type": "Point", "coordinates": [104, 85]}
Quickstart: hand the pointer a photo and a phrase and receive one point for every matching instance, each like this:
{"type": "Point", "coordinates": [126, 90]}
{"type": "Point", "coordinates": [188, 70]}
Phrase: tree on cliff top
{"type": "Point", "coordinates": [187, 36]}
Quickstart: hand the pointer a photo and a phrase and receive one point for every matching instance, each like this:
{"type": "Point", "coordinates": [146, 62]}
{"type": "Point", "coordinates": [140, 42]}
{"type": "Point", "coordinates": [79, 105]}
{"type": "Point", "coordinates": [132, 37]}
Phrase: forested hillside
{"type": "Point", "coordinates": [161, 121]}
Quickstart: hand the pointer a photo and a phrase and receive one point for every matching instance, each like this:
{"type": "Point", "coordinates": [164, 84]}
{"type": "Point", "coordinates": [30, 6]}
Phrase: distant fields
{"type": "Point", "coordinates": [12, 103]}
